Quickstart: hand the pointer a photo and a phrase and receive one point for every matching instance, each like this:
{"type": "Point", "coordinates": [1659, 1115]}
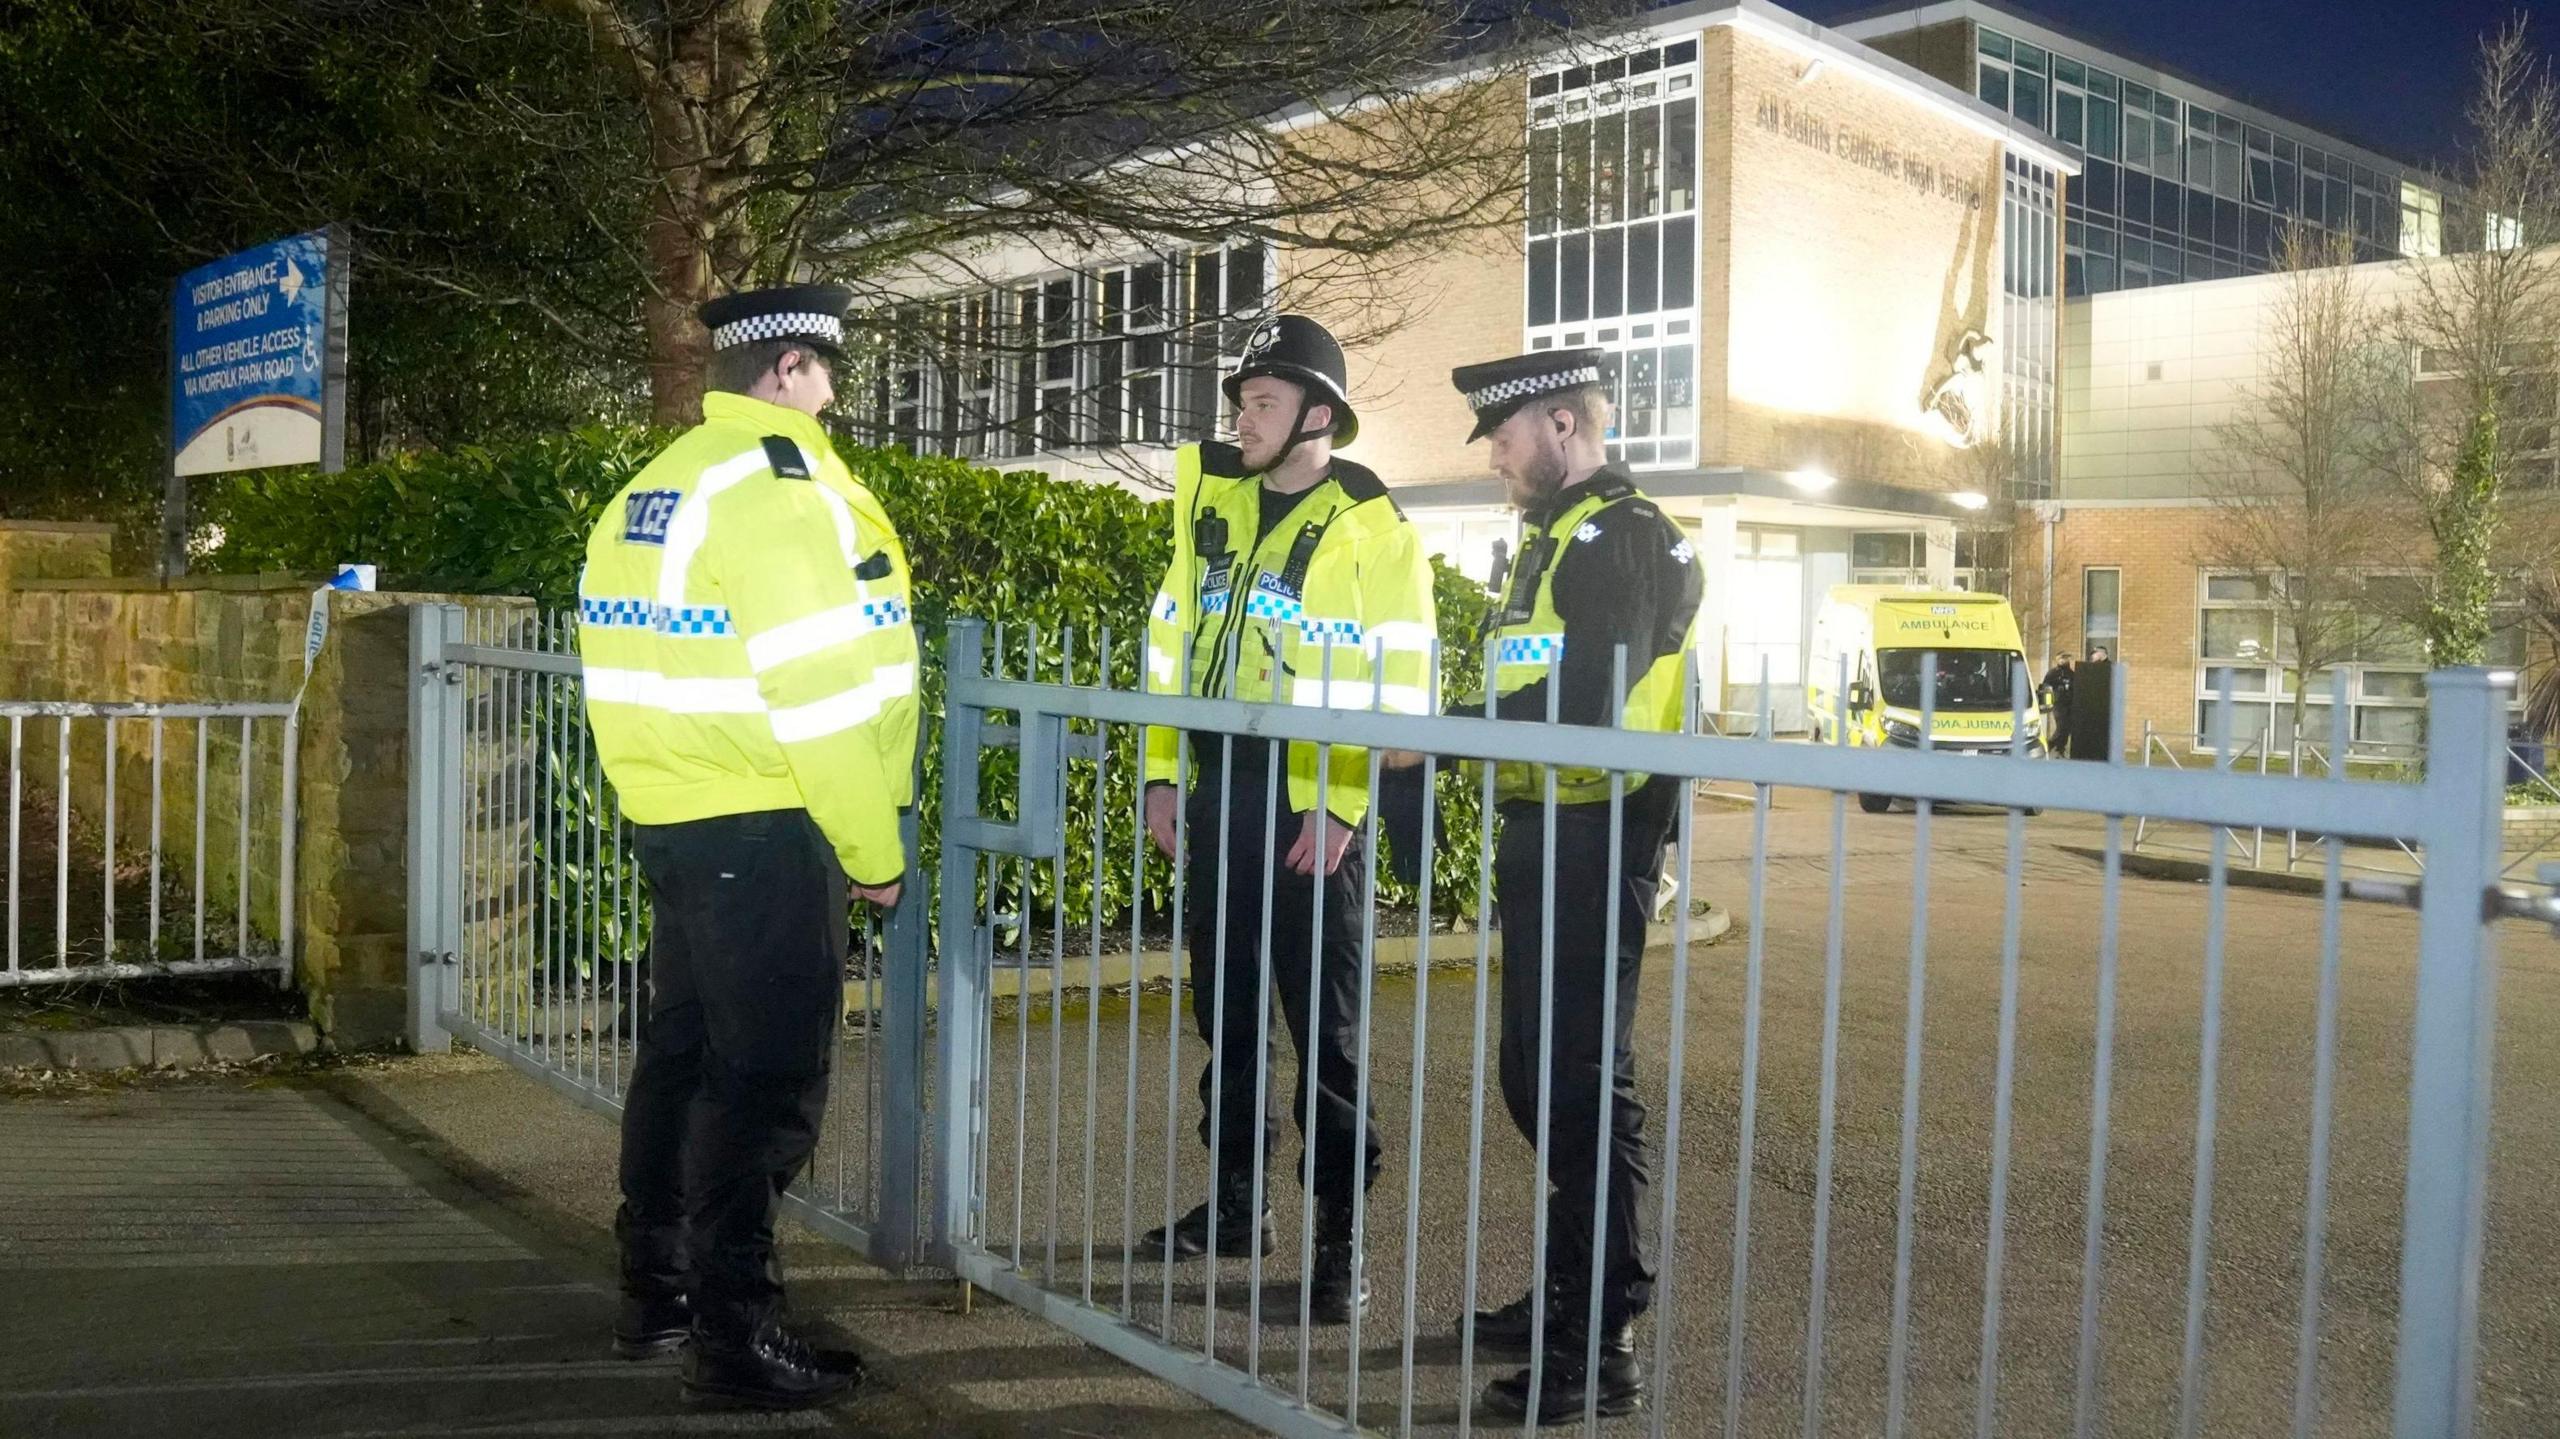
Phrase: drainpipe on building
{"type": "Point", "coordinates": [2051, 514]}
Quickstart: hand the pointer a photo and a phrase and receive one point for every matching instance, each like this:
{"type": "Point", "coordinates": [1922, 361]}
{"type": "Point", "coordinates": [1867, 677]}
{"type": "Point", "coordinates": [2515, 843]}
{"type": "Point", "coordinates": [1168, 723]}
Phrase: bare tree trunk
{"type": "Point", "coordinates": [699, 73]}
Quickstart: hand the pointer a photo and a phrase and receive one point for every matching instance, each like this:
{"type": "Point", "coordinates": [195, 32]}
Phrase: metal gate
{"type": "Point", "coordinates": [148, 840]}
{"type": "Point", "coordinates": [1853, 1240]}
{"type": "Point", "coordinates": [1920, 1167]}
{"type": "Point", "coordinates": [530, 927]}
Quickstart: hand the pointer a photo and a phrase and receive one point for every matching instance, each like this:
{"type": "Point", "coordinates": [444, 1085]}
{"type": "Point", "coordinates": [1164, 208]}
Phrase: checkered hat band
{"type": "Point", "coordinates": [785, 326]}
{"type": "Point", "coordinates": [1509, 390]}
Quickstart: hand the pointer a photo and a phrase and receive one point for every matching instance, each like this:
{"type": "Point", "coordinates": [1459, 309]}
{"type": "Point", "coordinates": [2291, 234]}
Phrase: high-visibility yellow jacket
{"type": "Point", "coordinates": [743, 625]}
{"type": "Point", "coordinates": [1333, 608]}
{"type": "Point", "coordinates": [1602, 568]}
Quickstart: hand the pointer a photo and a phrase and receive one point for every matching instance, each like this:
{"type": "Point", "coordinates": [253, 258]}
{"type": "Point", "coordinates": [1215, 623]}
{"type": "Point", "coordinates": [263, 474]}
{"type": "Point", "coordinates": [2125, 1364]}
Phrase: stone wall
{"type": "Point", "coordinates": [233, 639]}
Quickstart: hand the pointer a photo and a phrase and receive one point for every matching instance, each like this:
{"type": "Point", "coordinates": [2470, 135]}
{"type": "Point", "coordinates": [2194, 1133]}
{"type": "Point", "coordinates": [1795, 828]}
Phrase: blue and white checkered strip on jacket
{"type": "Point", "coordinates": [1342, 633]}
{"type": "Point", "coordinates": [882, 613]}
{"type": "Point", "coordinates": [1214, 603]}
{"type": "Point", "coordinates": [685, 620]}
{"type": "Point", "coordinates": [1264, 605]}
{"type": "Point", "coordinates": [1528, 649]}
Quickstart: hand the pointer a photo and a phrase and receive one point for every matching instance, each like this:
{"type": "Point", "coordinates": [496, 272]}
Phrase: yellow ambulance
{"type": "Point", "coordinates": [1879, 635]}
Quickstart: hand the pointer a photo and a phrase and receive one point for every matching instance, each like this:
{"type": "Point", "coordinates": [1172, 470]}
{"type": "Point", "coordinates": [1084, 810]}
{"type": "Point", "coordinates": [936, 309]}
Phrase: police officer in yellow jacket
{"type": "Point", "coordinates": [1599, 568]}
{"type": "Point", "coordinates": [751, 681]}
{"type": "Point", "coordinates": [1295, 580]}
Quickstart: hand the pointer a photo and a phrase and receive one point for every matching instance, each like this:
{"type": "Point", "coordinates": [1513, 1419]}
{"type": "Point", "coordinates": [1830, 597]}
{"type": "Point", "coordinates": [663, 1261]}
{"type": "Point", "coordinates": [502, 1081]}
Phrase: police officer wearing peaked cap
{"type": "Point", "coordinates": [1600, 568]}
{"type": "Point", "coordinates": [751, 680]}
{"type": "Point", "coordinates": [1295, 580]}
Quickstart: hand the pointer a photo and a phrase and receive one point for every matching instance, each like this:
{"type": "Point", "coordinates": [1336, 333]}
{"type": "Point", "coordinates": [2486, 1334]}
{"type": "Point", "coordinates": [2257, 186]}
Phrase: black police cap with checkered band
{"type": "Point", "coordinates": [809, 314]}
{"type": "Point", "coordinates": [1496, 389]}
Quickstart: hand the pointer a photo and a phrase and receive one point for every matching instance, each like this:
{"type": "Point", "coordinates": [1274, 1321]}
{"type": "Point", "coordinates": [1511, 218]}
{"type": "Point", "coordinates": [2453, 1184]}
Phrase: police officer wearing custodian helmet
{"type": "Point", "coordinates": [1295, 581]}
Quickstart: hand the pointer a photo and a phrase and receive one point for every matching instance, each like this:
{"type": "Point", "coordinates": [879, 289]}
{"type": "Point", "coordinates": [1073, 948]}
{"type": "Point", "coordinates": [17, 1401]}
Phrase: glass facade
{"type": "Point", "coordinates": [2175, 191]}
{"type": "Point", "coordinates": [2031, 326]}
{"type": "Point", "coordinates": [1613, 237]}
{"type": "Point", "coordinates": [1121, 354]}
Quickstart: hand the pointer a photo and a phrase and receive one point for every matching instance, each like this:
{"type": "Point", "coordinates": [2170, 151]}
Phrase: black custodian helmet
{"type": "Point", "coordinates": [1297, 349]}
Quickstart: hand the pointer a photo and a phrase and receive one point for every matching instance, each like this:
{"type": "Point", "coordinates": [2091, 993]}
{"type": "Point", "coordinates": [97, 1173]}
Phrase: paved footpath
{"type": "Point", "coordinates": [262, 1258]}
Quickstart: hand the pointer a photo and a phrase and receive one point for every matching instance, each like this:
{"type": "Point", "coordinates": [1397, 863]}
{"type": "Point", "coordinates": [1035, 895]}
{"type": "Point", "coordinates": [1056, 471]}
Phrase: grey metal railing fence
{"type": "Point", "coordinates": [148, 840]}
{"type": "Point", "coordinates": [1929, 1150]}
{"type": "Point", "coordinates": [530, 917]}
{"type": "Point", "coordinates": [1440, 1231]}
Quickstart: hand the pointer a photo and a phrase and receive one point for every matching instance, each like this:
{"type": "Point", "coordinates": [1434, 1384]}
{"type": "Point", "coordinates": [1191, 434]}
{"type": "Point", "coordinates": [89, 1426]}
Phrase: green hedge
{"type": "Point", "coordinates": [1041, 555]}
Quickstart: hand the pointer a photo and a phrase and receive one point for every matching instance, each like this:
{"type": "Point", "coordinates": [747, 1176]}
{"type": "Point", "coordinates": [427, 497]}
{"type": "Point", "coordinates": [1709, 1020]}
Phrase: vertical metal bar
{"type": "Point", "coordinates": [1543, 1143]}
{"type": "Point", "coordinates": [1137, 961]}
{"type": "Point", "coordinates": [1219, 1039]}
{"type": "Point", "coordinates": [1021, 1028]}
{"type": "Point", "coordinates": [1360, 1062]}
{"type": "Point", "coordinates": [288, 844]}
{"type": "Point", "coordinates": [961, 998]}
{"type": "Point", "coordinates": [2324, 1070]}
{"type": "Point", "coordinates": [158, 769]}
{"type": "Point", "coordinates": [1745, 1148]}
{"type": "Point", "coordinates": [248, 752]}
{"type": "Point", "coordinates": [1906, 1202]}
{"type": "Point", "coordinates": [1173, 980]}
{"type": "Point", "coordinates": [2084, 1400]}
{"type": "Point", "coordinates": [1677, 1061]}
{"type": "Point", "coordinates": [1827, 1132]}
{"type": "Point", "coordinates": [1273, 764]}
{"type": "Point", "coordinates": [2450, 1060]}
{"type": "Point", "coordinates": [1487, 816]}
{"type": "Point", "coordinates": [1057, 969]}
{"type": "Point", "coordinates": [1321, 826]}
{"type": "Point", "coordinates": [1604, 1102]}
{"type": "Point", "coordinates": [1986, 1397]}
{"type": "Point", "coordinates": [2208, 1093]}
{"type": "Point", "coordinates": [201, 723]}
{"type": "Point", "coordinates": [62, 849]}
{"type": "Point", "coordinates": [434, 820]}
{"type": "Point", "coordinates": [109, 868]}
{"type": "Point", "coordinates": [1093, 953]}
{"type": "Point", "coordinates": [609, 986]}
{"type": "Point", "coordinates": [569, 1009]}
{"type": "Point", "coordinates": [1421, 1050]}
{"type": "Point", "coordinates": [17, 803]}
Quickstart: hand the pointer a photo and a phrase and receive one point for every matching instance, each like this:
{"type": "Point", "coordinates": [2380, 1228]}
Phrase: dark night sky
{"type": "Point", "coordinates": [2388, 74]}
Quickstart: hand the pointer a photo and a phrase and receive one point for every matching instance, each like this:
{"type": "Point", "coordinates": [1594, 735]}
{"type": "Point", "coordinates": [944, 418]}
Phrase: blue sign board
{"type": "Point", "coordinates": [256, 355]}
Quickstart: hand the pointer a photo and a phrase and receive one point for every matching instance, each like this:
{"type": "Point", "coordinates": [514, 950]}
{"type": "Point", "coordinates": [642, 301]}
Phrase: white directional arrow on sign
{"type": "Point", "coordinates": [291, 284]}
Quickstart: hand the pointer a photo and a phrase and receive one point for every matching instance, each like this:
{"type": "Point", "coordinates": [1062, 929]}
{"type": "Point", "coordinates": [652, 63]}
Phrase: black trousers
{"type": "Point", "coordinates": [746, 965]}
{"type": "Point", "coordinates": [1345, 1139]}
{"type": "Point", "coordinates": [1580, 1073]}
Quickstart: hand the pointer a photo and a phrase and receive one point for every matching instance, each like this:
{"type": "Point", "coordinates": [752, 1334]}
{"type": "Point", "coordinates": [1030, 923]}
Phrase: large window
{"type": "Point", "coordinates": [2242, 635]}
{"type": "Point", "coordinates": [1122, 354]}
{"type": "Point", "coordinates": [1613, 237]}
{"type": "Point", "coordinates": [1768, 608]}
{"type": "Point", "coordinates": [2176, 191]}
{"type": "Point", "coordinates": [2101, 609]}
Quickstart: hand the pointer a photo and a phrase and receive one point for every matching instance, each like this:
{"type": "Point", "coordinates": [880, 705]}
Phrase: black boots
{"type": "Point", "coordinates": [1241, 1232]}
{"type": "Point", "coordinates": [1336, 1288]}
{"type": "Point", "coordinates": [647, 1328]}
{"type": "Point", "coordinates": [1507, 1330]}
{"type": "Point", "coordinates": [1566, 1385]}
{"type": "Point", "coordinates": [769, 1368]}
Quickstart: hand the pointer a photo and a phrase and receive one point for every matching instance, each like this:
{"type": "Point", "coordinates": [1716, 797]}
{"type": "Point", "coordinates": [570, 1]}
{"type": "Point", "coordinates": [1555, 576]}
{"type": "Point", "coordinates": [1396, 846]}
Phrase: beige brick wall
{"type": "Point", "coordinates": [118, 641]}
{"type": "Point", "coordinates": [1453, 302]}
{"type": "Point", "coordinates": [1847, 277]}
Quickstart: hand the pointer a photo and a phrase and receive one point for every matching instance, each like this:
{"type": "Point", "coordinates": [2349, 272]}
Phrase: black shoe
{"type": "Point", "coordinates": [648, 1328]}
{"type": "Point", "coordinates": [1239, 1235]}
{"type": "Point", "coordinates": [1506, 1330]}
{"type": "Point", "coordinates": [1338, 1287]}
{"type": "Point", "coordinates": [1566, 1388]}
{"type": "Point", "coordinates": [773, 1370]}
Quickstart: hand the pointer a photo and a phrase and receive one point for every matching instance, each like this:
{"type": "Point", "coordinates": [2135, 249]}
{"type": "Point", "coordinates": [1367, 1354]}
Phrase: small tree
{"type": "Point", "coordinates": [2302, 492]}
{"type": "Point", "coordinates": [2481, 321]}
